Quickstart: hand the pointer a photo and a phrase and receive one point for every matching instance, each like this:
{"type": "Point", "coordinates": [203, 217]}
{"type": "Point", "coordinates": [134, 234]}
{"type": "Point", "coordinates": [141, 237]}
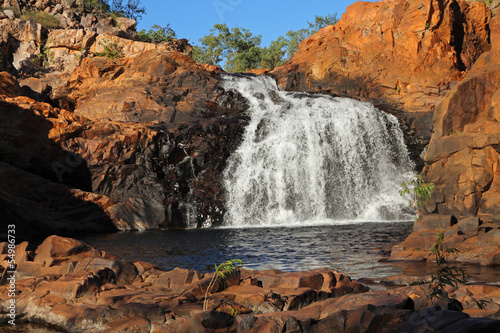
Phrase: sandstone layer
{"type": "Point", "coordinates": [72, 286]}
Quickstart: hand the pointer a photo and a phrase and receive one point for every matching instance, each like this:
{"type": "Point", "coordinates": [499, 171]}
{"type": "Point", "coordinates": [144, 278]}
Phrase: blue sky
{"type": "Point", "coordinates": [269, 18]}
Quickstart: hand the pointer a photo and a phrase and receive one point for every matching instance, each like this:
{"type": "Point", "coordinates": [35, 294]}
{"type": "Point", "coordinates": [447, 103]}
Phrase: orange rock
{"type": "Point", "coordinates": [159, 84]}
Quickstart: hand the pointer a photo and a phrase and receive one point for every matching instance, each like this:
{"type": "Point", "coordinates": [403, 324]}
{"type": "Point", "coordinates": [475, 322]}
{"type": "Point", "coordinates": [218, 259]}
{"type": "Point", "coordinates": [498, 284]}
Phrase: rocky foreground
{"type": "Point", "coordinates": [84, 138]}
{"type": "Point", "coordinates": [73, 287]}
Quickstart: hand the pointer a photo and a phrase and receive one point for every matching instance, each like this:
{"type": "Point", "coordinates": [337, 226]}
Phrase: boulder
{"type": "Point", "coordinates": [20, 39]}
{"type": "Point", "coordinates": [437, 320]}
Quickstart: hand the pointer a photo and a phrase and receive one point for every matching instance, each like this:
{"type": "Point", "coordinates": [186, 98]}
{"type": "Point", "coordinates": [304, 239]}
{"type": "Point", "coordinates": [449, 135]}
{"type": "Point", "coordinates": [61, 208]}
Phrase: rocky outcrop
{"type": "Point", "coordinates": [152, 159]}
{"type": "Point", "coordinates": [403, 56]}
{"type": "Point", "coordinates": [477, 240]}
{"type": "Point", "coordinates": [75, 15]}
{"type": "Point", "coordinates": [71, 286]}
{"type": "Point", "coordinates": [462, 161]}
{"type": "Point", "coordinates": [44, 58]}
{"type": "Point", "coordinates": [155, 85]}
{"type": "Point", "coordinates": [137, 175]}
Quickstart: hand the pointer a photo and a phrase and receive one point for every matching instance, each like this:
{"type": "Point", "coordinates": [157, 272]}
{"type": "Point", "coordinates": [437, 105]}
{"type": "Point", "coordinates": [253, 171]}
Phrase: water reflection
{"type": "Point", "coordinates": [351, 248]}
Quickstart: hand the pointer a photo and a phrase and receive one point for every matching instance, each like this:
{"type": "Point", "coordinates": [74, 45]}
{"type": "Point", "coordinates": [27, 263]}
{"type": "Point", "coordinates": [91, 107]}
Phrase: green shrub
{"type": "Point", "coordinates": [447, 274]}
{"type": "Point", "coordinates": [130, 8]}
{"type": "Point", "coordinates": [48, 21]}
{"type": "Point", "coordinates": [156, 34]}
{"type": "Point", "coordinates": [418, 191]}
{"type": "Point", "coordinates": [111, 50]}
{"type": "Point", "coordinates": [44, 58]}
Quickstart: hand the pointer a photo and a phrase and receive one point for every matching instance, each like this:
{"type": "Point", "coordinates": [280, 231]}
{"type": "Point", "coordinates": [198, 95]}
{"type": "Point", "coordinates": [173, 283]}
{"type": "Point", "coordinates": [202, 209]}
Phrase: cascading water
{"type": "Point", "coordinates": [313, 159]}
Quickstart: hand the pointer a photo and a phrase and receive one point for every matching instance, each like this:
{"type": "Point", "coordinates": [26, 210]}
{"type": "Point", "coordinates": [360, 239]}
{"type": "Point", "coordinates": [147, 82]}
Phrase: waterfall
{"type": "Point", "coordinates": [313, 159]}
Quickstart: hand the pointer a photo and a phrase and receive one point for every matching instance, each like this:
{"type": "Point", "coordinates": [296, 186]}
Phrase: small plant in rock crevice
{"type": "Point", "coordinates": [417, 191]}
{"type": "Point", "coordinates": [83, 53]}
{"type": "Point", "coordinates": [45, 57]}
{"type": "Point", "coordinates": [447, 274]}
{"type": "Point", "coordinates": [220, 275]}
{"type": "Point", "coordinates": [111, 50]}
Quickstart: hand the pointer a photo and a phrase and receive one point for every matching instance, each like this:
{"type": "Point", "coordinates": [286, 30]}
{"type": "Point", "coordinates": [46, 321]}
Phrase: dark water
{"type": "Point", "coordinates": [352, 248]}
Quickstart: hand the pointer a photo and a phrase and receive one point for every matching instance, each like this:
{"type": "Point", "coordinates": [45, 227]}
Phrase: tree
{"type": "Point", "coordinates": [295, 37]}
{"type": "Point", "coordinates": [273, 55]}
{"type": "Point", "coordinates": [321, 22]}
{"type": "Point", "coordinates": [236, 48]}
{"type": "Point", "coordinates": [156, 34]}
{"type": "Point", "coordinates": [94, 5]}
{"type": "Point", "coordinates": [131, 9]}
{"type": "Point", "coordinates": [417, 191]}
{"type": "Point", "coordinates": [239, 50]}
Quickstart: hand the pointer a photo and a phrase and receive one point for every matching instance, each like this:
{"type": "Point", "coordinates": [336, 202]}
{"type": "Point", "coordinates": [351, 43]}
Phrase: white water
{"type": "Point", "coordinates": [313, 159]}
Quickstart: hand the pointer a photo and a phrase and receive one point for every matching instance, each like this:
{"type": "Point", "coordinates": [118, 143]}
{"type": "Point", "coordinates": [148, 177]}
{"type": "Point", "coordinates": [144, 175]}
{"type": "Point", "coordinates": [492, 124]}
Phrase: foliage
{"type": "Point", "coordinates": [83, 53]}
{"type": "Point", "coordinates": [221, 273]}
{"type": "Point", "coordinates": [94, 5]}
{"type": "Point", "coordinates": [418, 191]}
{"type": "Point", "coordinates": [131, 9]}
{"type": "Point", "coordinates": [17, 9]}
{"type": "Point", "coordinates": [273, 55]}
{"type": "Point", "coordinates": [239, 50]}
{"type": "Point", "coordinates": [111, 50]}
{"type": "Point", "coordinates": [446, 275]}
{"type": "Point", "coordinates": [45, 57]}
{"type": "Point", "coordinates": [47, 20]}
{"type": "Point", "coordinates": [296, 37]}
{"type": "Point", "coordinates": [156, 34]}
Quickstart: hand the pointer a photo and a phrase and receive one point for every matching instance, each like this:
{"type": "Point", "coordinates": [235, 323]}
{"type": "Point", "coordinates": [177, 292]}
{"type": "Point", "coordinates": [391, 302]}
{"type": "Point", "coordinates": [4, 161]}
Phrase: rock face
{"type": "Point", "coordinates": [72, 286]}
{"type": "Point", "coordinates": [141, 176]}
{"type": "Point", "coordinates": [155, 85]}
{"type": "Point", "coordinates": [400, 55]}
{"type": "Point", "coordinates": [477, 240]}
{"type": "Point", "coordinates": [462, 161]}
